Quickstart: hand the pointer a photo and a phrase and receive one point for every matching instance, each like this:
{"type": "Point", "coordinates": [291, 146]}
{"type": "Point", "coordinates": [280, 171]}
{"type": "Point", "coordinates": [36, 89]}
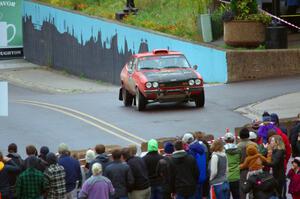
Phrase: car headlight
{"type": "Point", "coordinates": [148, 85]}
{"type": "Point", "coordinates": [155, 84]}
{"type": "Point", "coordinates": [198, 81]}
{"type": "Point", "coordinates": [191, 82]}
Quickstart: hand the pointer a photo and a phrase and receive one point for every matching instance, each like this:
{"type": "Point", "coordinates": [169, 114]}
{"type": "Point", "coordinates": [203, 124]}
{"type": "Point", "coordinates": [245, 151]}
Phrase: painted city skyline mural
{"type": "Point", "coordinates": [98, 49]}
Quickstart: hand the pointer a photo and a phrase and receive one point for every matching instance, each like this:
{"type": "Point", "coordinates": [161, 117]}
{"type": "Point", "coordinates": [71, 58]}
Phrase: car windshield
{"type": "Point", "coordinates": [160, 62]}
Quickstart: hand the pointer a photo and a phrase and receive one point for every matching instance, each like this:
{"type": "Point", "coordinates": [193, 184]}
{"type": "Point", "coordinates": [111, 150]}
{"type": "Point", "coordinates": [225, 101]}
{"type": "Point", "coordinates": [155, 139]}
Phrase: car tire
{"type": "Point", "coordinates": [127, 97]}
{"type": "Point", "coordinates": [200, 100]}
{"type": "Point", "coordinates": [140, 101]}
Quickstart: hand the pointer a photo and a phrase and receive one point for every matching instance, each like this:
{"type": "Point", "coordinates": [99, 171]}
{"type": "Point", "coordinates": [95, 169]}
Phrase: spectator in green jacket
{"type": "Point", "coordinates": [30, 183]}
{"type": "Point", "coordinates": [233, 154]}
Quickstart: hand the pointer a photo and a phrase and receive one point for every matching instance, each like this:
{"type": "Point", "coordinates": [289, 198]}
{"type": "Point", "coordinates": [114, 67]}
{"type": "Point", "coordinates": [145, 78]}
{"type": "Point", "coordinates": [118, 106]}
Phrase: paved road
{"type": "Point", "coordinates": [38, 125]}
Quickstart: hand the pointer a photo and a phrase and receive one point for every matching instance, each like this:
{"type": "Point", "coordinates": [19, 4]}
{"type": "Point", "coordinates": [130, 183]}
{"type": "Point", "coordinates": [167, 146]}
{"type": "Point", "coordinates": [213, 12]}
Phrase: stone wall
{"type": "Point", "coordinates": [259, 64]}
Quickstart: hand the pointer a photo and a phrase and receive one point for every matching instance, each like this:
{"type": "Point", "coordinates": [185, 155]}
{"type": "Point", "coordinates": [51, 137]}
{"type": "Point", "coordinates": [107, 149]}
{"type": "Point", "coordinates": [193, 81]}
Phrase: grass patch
{"type": "Point", "coordinates": [175, 17]}
{"type": "Point", "coordinates": [260, 47]}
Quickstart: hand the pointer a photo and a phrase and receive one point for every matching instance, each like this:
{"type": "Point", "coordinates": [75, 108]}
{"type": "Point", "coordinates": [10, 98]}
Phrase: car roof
{"type": "Point", "coordinates": [157, 52]}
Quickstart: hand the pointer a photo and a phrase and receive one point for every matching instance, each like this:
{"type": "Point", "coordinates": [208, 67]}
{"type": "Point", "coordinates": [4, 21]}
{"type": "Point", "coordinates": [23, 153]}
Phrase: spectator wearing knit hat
{"type": "Point", "coordinates": [233, 154]}
{"type": "Point", "coordinates": [54, 177]}
{"type": "Point", "coordinates": [242, 146]}
{"type": "Point", "coordinates": [151, 160]}
{"type": "Point", "coordinates": [44, 150]}
{"type": "Point", "coordinates": [72, 169]}
{"type": "Point", "coordinates": [163, 169]}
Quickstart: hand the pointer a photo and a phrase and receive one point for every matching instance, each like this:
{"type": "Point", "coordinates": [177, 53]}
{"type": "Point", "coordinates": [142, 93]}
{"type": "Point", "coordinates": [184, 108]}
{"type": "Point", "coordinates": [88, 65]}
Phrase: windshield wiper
{"type": "Point", "coordinates": [149, 68]}
{"type": "Point", "coordinates": [173, 67]}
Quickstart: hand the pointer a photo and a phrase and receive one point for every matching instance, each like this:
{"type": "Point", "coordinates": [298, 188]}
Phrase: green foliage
{"type": "Point", "coordinates": [260, 47]}
{"type": "Point", "coordinates": [216, 21]}
{"type": "Point", "coordinates": [175, 17]}
{"type": "Point", "coordinates": [248, 10]}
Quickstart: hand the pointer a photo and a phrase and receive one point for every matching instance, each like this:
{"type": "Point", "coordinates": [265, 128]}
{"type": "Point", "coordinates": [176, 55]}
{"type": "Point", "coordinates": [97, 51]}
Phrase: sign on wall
{"type": "Point", "coordinates": [11, 38]}
{"type": "Point", "coordinates": [3, 99]}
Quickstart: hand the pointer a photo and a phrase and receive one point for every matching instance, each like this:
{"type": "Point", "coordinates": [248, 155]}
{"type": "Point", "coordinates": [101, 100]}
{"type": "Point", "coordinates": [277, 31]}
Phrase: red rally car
{"type": "Point", "coordinates": [160, 76]}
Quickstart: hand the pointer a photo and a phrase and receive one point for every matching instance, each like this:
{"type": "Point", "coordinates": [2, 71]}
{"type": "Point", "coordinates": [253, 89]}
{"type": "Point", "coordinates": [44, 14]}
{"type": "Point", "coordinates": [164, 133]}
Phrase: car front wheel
{"type": "Point", "coordinates": [200, 100]}
{"type": "Point", "coordinates": [127, 97]}
{"type": "Point", "coordinates": [140, 101]}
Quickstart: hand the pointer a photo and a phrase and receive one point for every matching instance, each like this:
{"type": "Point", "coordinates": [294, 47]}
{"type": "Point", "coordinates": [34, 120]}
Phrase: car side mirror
{"type": "Point", "coordinates": [195, 67]}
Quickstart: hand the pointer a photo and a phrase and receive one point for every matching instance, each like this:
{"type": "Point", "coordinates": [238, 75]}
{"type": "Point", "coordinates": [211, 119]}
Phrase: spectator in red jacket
{"type": "Point", "coordinates": [294, 176]}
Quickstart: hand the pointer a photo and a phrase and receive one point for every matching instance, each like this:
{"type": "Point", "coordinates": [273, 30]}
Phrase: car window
{"type": "Point", "coordinates": [130, 64]}
{"type": "Point", "coordinates": [160, 62]}
{"type": "Point", "coordinates": [134, 64]}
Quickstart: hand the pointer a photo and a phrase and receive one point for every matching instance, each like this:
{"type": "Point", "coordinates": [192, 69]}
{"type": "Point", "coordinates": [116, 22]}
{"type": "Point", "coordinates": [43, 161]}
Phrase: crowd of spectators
{"type": "Point", "coordinates": [253, 164]}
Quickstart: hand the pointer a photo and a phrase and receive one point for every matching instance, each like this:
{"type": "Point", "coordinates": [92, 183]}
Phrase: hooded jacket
{"type": "Point", "coordinates": [233, 157]}
{"type": "Point", "coordinates": [254, 160]}
{"type": "Point", "coordinates": [5, 170]}
{"type": "Point", "coordinates": [197, 150]}
{"type": "Point", "coordinates": [184, 174]}
{"type": "Point", "coordinates": [151, 160]}
{"type": "Point", "coordinates": [102, 159]}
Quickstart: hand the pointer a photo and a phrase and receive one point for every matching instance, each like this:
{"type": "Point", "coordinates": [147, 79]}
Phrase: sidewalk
{"type": "Point", "coordinates": [286, 106]}
{"type": "Point", "coordinates": [22, 73]}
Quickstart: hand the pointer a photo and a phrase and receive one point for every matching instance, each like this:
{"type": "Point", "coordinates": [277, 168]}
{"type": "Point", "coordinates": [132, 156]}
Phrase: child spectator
{"type": "Point", "coordinates": [294, 176]}
{"type": "Point", "coordinates": [254, 161]}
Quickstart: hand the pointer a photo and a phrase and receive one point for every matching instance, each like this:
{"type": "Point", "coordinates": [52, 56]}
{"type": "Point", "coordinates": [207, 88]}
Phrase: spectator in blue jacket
{"type": "Point", "coordinates": [197, 150]}
{"type": "Point", "coordinates": [72, 169]}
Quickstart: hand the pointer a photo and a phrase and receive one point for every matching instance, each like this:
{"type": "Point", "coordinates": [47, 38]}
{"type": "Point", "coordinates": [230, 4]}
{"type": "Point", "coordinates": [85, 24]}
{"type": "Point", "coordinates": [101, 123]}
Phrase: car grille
{"type": "Point", "coordinates": [173, 84]}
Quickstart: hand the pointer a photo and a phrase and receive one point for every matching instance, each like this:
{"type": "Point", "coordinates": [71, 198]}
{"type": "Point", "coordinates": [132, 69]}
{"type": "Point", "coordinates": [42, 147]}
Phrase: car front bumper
{"type": "Point", "coordinates": [173, 94]}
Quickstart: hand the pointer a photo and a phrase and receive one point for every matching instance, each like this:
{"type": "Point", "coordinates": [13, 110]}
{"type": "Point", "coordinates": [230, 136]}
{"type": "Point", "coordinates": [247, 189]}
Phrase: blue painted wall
{"type": "Point", "coordinates": [212, 63]}
{"type": "Point", "coordinates": [3, 99]}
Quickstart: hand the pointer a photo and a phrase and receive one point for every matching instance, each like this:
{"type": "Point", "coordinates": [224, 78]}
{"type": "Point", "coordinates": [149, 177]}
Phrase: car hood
{"type": "Point", "coordinates": [170, 75]}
